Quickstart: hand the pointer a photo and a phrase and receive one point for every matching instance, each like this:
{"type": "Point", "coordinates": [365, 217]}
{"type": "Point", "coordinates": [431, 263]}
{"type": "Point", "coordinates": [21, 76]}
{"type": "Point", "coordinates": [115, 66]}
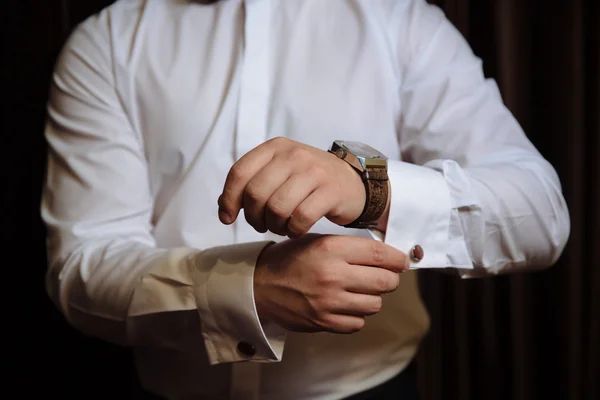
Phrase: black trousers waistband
{"type": "Point", "coordinates": [401, 387]}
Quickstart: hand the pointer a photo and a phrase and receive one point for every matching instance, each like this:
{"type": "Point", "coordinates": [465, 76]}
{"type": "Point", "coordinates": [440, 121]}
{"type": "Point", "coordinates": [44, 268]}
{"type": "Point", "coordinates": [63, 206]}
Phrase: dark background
{"type": "Point", "coordinates": [526, 336]}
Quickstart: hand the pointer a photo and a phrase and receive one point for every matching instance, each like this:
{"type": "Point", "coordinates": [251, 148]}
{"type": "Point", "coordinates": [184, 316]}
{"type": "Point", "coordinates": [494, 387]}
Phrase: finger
{"type": "Point", "coordinates": [230, 202]}
{"type": "Point", "coordinates": [287, 198]}
{"type": "Point", "coordinates": [261, 188]}
{"type": "Point", "coordinates": [358, 304]}
{"type": "Point", "coordinates": [363, 251]}
{"type": "Point", "coordinates": [370, 280]}
{"type": "Point", "coordinates": [344, 324]}
{"type": "Point", "coordinates": [311, 210]}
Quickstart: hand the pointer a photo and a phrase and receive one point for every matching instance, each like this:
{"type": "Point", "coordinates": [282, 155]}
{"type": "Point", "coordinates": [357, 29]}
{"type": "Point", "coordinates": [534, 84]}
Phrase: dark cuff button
{"type": "Point", "coordinates": [246, 349]}
{"type": "Point", "coordinates": [417, 253]}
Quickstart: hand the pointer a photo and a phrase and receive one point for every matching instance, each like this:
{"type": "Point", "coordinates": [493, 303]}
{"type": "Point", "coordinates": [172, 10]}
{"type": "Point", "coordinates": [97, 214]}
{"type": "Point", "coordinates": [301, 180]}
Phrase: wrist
{"type": "Point", "coordinates": [371, 167]}
{"type": "Point", "coordinates": [357, 195]}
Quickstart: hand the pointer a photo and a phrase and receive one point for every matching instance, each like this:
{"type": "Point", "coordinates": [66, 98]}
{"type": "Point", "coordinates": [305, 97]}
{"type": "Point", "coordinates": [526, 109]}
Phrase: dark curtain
{"type": "Point", "coordinates": [526, 336]}
{"type": "Point", "coordinates": [532, 335]}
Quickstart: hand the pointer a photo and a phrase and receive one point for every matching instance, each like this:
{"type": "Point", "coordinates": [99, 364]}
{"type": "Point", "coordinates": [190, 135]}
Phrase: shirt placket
{"type": "Point", "coordinates": [253, 106]}
{"type": "Point", "coordinates": [251, 131]}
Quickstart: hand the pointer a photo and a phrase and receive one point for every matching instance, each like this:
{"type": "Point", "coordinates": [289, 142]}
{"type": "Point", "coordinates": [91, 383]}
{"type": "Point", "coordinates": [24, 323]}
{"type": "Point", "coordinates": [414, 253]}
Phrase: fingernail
{"type": "Point", "coordinates": [406, 263]}
{"type": "Point", "coordinates": [224, 217]}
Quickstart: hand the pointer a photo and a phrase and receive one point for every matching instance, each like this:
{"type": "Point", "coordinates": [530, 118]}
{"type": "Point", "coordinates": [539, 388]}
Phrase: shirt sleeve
{"type": "Point", "coordinates": [471, 190]}
{"type": "Point", "coordinates": [105, 270]}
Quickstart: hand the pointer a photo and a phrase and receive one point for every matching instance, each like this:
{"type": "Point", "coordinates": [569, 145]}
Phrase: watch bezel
{"type": "Point", "coordinates": [358, 161]}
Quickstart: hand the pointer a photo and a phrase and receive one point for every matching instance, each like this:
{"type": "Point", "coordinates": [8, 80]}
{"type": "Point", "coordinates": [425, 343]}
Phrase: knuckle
{"type": "Point", "coordinates": [326, 244]}
{"type": "Point", "coordinates": [294, 232]}
{"type": "Point", "coordinates": [278, 140]}
{"type": "Point", "coordinates": [318, 171]}
{"type": "Point", "coordinates": [383, 285]}
{"type": "Point", "coordinates": [377, 305]}
{"type": "Point", "coordinates": [225, 202]}
{"type": "Point", "coordinates": [253, 191]}
{"type": "Point", "coordinates": [303, 216]}
{"type": "Point", "coordinates": [299, 154]}
{"type": "Point", "coordinates": [325, 278]}
{"type": "Point", "coordinates": [301, 221]}
{"type": "Point", "coordinates": [277, 208]}
{"type": "Point", "coordinates": [237, 173]}
{"type": "Point", "coordinates": [378, 252]}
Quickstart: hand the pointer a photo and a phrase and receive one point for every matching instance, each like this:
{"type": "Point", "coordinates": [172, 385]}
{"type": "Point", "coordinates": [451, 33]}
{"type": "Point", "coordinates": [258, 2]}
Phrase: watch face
{"type": "Point", "coordinates": [361, 150]}
{"type": "Point", "coordinates": [359, 155]}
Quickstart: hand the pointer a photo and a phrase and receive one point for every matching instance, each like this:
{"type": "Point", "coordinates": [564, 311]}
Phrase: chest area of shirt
{"type": "Point", "coordinates": [228, 85]}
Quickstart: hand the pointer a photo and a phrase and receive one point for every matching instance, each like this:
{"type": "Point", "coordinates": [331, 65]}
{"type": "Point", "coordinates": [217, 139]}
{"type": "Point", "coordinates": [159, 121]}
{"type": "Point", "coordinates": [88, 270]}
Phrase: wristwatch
{"type": "Point", "coordinates": [372, 167]}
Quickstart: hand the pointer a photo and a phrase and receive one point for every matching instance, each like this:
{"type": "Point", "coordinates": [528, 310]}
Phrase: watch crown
{"type": "Point", "coordinates": [341, 153]}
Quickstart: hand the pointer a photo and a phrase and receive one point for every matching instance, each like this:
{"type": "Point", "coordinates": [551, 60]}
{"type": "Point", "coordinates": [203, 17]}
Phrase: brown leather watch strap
{"type": "Point", "coordinates": [377, 192]}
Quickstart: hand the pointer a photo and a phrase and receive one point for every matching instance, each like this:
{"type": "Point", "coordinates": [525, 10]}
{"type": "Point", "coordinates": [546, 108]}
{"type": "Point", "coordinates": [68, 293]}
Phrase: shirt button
{"type": "Point", "coordinates": [417, 253]}
{"type": "Point", "coordinates": [246, 349]}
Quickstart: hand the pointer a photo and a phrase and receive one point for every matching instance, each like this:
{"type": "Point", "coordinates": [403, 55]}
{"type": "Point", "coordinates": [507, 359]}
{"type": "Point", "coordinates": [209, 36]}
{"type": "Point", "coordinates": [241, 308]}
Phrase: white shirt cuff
{"type": "Point", "coordinates": [420, 211]}
{"type": "Point", "coordinates": [232, 330]}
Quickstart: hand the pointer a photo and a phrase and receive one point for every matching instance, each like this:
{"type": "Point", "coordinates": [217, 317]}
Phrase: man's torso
{"type": "Point", "coordinates": [204, 84]}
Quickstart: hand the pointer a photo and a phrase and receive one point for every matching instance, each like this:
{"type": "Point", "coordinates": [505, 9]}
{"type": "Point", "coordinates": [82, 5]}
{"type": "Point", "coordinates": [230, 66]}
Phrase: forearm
{"type": "Point", "coordinates": [105, 279]}
{"type": "Point", "coordinates": [123, 291]}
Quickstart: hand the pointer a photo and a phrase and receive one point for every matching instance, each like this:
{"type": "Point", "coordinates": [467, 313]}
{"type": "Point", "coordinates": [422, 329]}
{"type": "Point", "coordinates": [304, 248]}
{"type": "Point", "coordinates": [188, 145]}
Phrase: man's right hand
{"type": "Point", "coordinates": [325, 283]}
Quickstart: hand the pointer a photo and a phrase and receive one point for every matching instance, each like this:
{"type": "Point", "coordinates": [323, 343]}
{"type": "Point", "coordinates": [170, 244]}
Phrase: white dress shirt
{"type": "Point", "coordinates": [153, 101]}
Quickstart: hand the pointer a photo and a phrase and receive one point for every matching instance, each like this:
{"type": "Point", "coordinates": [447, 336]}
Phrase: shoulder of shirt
{"type": "Point", "coordinates": [116, 13]}
{"type": "Point", "coordinates": [96, 34]}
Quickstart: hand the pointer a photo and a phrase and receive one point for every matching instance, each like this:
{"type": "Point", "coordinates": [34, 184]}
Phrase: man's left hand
{"type": "Point", "coordinates": [285, 187]}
